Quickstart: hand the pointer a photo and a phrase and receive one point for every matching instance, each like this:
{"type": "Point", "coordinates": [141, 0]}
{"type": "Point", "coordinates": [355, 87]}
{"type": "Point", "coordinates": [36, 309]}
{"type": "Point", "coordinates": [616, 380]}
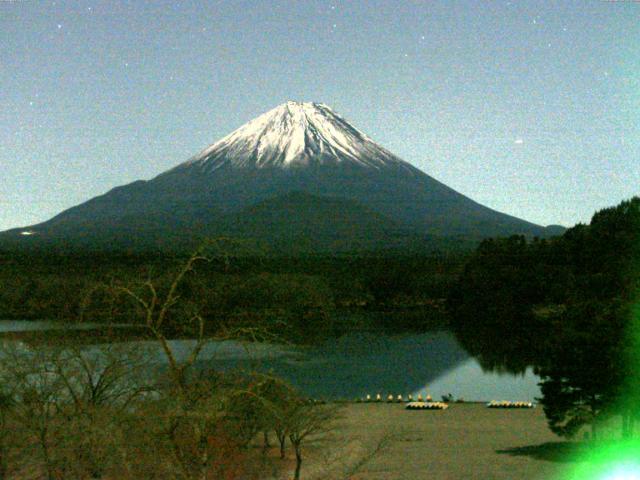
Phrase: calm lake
{"type": "Point", "coordinates": [358, 364]}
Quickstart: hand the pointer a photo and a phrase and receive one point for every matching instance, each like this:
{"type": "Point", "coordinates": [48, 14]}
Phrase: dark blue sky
{"type": "Point", "coordinates": [529, 107]}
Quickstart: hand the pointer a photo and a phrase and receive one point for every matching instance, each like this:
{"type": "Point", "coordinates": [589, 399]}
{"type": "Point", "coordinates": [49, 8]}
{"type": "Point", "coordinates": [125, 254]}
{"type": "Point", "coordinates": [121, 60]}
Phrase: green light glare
{"type": "Point", "coordinates": [623, 472]}
{"type": "Point", "coordinates": [610, 461]}
{"type": "Point", "coordinates": [615, 459]}
{"type": "Point", "coordinates": [634, 355]}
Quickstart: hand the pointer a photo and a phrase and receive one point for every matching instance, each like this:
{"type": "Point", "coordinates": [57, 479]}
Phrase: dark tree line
{"type": "Point", "coordinates": [568, 308]}
{"type": "Point", "coordinates": [303, 299]}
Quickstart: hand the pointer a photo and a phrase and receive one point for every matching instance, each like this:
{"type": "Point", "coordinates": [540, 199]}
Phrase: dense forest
{"type": "Point", "coordinates": [302, 299]}
{"type": "Point", "coordinates": [567, 307]}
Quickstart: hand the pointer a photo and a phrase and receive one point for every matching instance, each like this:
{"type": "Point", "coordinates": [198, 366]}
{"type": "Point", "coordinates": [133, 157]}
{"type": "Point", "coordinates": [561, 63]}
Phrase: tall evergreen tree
{"type": "Point", "coordinates": [568, 307]}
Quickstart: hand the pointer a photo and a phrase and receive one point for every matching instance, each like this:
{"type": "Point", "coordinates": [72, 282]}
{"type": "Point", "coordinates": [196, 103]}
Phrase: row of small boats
{"type": "Point", "coordinates": [398, 399]}
{"type": "Point", "coordinates": [507, 404]}
{"type": "Point", "coordinates": [427, 406]}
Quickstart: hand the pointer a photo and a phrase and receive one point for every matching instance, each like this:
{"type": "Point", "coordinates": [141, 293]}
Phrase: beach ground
{"type": "Point", "coordinates": [466, 441]}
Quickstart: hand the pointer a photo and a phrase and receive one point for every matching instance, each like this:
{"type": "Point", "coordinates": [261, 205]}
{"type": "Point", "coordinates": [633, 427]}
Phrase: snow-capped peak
{"type": "Point", "coordinates": [295, 134]}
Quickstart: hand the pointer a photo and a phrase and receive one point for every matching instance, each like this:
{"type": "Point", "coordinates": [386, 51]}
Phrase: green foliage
{"type": "Point", "coordinates": [583, 374]}
{"type": "Point", "coordinates": [492, 303]}
{"type": "Point", "coordinates": [564, 306]}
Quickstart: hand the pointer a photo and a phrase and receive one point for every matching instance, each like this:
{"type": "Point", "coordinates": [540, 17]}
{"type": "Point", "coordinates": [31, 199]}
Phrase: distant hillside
{"type": "Point", "coordinates": [299, 221]}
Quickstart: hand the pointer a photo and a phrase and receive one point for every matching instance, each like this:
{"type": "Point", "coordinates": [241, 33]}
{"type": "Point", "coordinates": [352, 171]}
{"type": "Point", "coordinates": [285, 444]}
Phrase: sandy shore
{"type": "Point", "coordinates": [467, 441]}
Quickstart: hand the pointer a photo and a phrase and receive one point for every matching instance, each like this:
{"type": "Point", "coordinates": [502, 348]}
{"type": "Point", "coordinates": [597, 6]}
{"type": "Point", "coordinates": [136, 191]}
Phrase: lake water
{"type": "Point", "coordinates": [356, 365]}
{"type": "Point", "coordinates": [14, 326]}
{"type": "Point", "coordinates": [361, 364]}
{"type": "Point", "coordinates": [9, 326]}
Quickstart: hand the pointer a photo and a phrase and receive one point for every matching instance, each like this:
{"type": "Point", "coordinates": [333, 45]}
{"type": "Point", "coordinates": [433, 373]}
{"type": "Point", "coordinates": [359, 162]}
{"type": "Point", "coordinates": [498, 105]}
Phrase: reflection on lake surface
{"type": "Point", "coordinates": [358, 364]}
{"type": "Point", "coordinates": [9, 326]}
{"type": "Point", "coordinates": [15, 326]}
{"type": "Point", "coordinates": [469, 382]}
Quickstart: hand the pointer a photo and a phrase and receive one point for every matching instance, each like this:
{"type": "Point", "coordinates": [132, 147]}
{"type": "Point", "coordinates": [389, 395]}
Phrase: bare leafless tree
{"type": "Point", "coordinates": [36, 392]}
{"type": "Point", "coordinates": [193, 407]}
{"type": "Point", "coordinates": [71, 399]}
{"type": "Point", "coordinates": [156, 309]}
{"type": "Point", "coordinates": [305, 420]}
{"type": "Point", "coordinates": [6, 404]}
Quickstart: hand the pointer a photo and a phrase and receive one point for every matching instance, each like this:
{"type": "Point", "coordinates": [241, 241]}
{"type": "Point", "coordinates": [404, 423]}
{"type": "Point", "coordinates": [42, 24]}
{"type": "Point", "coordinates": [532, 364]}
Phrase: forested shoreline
{"type": "Point", "coordinates": [301, 299]}
{"type": "Point", "coordinates": [569, 308]}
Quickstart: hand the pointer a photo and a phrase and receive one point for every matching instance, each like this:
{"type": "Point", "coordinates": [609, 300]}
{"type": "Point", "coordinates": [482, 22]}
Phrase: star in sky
{"type": "Point", "coordinates": [100, 43]}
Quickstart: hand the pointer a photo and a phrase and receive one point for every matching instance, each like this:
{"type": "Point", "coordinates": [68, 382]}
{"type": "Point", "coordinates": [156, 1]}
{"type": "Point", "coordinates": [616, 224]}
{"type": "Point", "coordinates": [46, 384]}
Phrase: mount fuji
{"type": "Point", "coordinates": [297, 177]}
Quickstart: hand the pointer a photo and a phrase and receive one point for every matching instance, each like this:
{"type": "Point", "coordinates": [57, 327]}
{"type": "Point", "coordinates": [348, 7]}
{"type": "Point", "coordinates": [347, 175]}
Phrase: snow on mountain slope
{"type": "Point", "coordinates": [291, 135]}
{"type": "Point", "coordinates": [289, 173]}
